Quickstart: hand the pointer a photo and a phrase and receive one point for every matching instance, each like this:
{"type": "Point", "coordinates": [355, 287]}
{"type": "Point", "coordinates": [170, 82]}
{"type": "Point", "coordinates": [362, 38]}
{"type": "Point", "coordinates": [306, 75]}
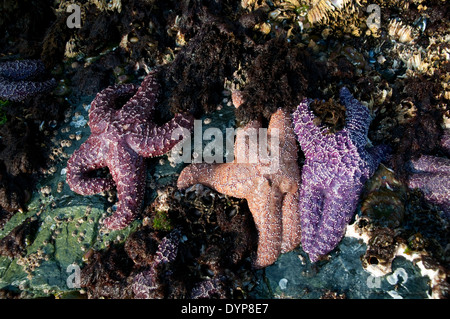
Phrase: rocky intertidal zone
{"type": "Point", "coordinates": [213, 247]}
{"type": "Point", "coordinates": [397, 222]}
{"type": "Point", "coordinates": [225, 63]}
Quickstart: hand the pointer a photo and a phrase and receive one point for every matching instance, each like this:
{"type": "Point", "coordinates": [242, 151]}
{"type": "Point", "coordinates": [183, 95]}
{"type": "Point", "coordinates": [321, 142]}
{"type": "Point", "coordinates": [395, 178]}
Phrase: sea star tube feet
{"type": "Point", "coordinates": [120, 140]}
{"type": "Point", "coordinates": [336, 167]}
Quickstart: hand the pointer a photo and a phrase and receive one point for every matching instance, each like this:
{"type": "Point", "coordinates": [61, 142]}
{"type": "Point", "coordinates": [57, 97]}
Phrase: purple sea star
{"type": "Point", "coordinates": [16, 80]}
{"type": "Point", "coordinates": [146, 283]}
{"type": "Point", "coordinates": [272, 195]}
{"type": "Point", "coordinates": [431, 174]}
{"type": "Point", "coordinates": [335, 170]}
{"type": "Point", "coordinates": [121, 139]}
{"type": "Point", "coordinates": [208, 288]}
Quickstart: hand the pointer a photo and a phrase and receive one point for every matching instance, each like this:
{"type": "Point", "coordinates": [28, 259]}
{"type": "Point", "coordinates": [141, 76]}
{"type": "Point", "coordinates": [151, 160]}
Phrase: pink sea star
{"type": "Point", "coordinates": [272, 196]}
{"type": "Point", "coordinates": [121, 139]}
{"type": "Point", "coordinates": [335, 170]}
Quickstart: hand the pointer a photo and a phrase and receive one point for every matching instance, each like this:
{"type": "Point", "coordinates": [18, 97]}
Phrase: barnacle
{"type": "Point", "coordinates": [384, 203]}
{"type": "Point", "coordinates": [104, 5]}
{"type": "Point", "coordinates": [405, 111]}
{"type": "Point", "coordinates": [330, 114]}
{"type": "Point", "coordinates": [400, 32]}
{"type": "Point", "coordinates": [70, 50]}
{"type": "Point", "coordinates": [322, 10]}
{"type": "Point", "coordinates": [381, 251]}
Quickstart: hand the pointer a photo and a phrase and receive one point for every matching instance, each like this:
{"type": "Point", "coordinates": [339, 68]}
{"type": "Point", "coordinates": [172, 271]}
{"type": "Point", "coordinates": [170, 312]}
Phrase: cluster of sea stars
{"type": "Point", "coordinates": [20, 80]}
{"type": "Point", "coordinates": [120, 139]}
{"type": "Point", "coordinates": [287, 209]}
{"type": "Point", "coordinates": [336, 168]}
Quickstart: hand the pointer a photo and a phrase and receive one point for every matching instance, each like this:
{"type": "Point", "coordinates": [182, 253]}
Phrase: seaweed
{"type": "Point", "coordinates": [15, 243]}
{"type": "Point", "coordinates": [217, 243]}
{"type": "Point", "coordinates": [195, 79]}
{"type": "Point", "coordinates": [280, 77]}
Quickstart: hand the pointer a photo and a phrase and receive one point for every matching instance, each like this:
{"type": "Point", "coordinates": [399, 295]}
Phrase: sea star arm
{"type": "Point", "coordinates": [228, 178]}
{"type": "Point", "coordinates": [435, 187]}
{"type": "Point", "coordinates": [22, 69]}
{"type": "Point", "coordinates": [83, 161]}
{"type": "Point", "coordinates": [103, 106]}
{"type": "Point", "coordinates": [307, 132]}
{"type": "Point", "coordinates": [432, 164]}
{"type": "Point", "coordinates": [128, 172]}
{"type": "Point", "coordinates": [246, 145]}
{"type": "Point", "coordinates": [20, 90]}
{"type": "Point", "coordinates": [291, 222]}
{"type": "Point", "coordinates": [16, 79]}
{"type": "Point", "coordinates": [358, 118]}
{"type": "Point", "coordinates": [337, 212]}
{"type": "Point", "coordinates": [373, 156]}
{"type": "Point", "coordinates": [431, 175]}
{"type": "Point", "coordinates": [265, 205]}
{"type": "Point", "coordinates": [310, 205]}
{"type": "Point", "coordinates": [142, 105]}
{"type": "Point", "coordinates": [325, 215]}
{"type": "Point", "coordinates": [281, 122]}
{"type": "Point", "coordinates": [150, 141]}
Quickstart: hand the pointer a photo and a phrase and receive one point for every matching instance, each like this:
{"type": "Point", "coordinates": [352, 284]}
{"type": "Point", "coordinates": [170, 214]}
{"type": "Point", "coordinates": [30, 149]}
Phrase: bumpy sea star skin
{"type": "Point", "coordinates": [431, 174]}
{"type": "Point", "coordinates": [16, 80]}
{"type": "Point", "coordinates": [272, 195]}
{"type": "Point", "coordinates": [335, 170]}
{"type": "Point", "coordinates": [208, 289]}
{"type": "Point", "coordinates": [121, 139]}
{"type": "Point", "coordinates": [145, 283]}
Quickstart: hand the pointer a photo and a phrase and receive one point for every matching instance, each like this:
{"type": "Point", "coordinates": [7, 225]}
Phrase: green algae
{"type": "Point", "coordinates": [70, 225]}
{"type": "Point", "coordinates": [161, 221]}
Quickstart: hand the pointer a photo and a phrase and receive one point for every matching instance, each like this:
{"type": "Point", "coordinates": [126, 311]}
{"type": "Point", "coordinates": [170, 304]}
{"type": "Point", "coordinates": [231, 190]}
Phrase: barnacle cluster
{"type": "Point", "coordinates": [315, 11]}
{"type": "Point", "coordinates": [324, 11]}
{"type": "Point", "coordinates": [108, 5]}
{"type": "Point", "coordinates": [400, 32]}
{"type": "Point", "coordinates": [394, 221]}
